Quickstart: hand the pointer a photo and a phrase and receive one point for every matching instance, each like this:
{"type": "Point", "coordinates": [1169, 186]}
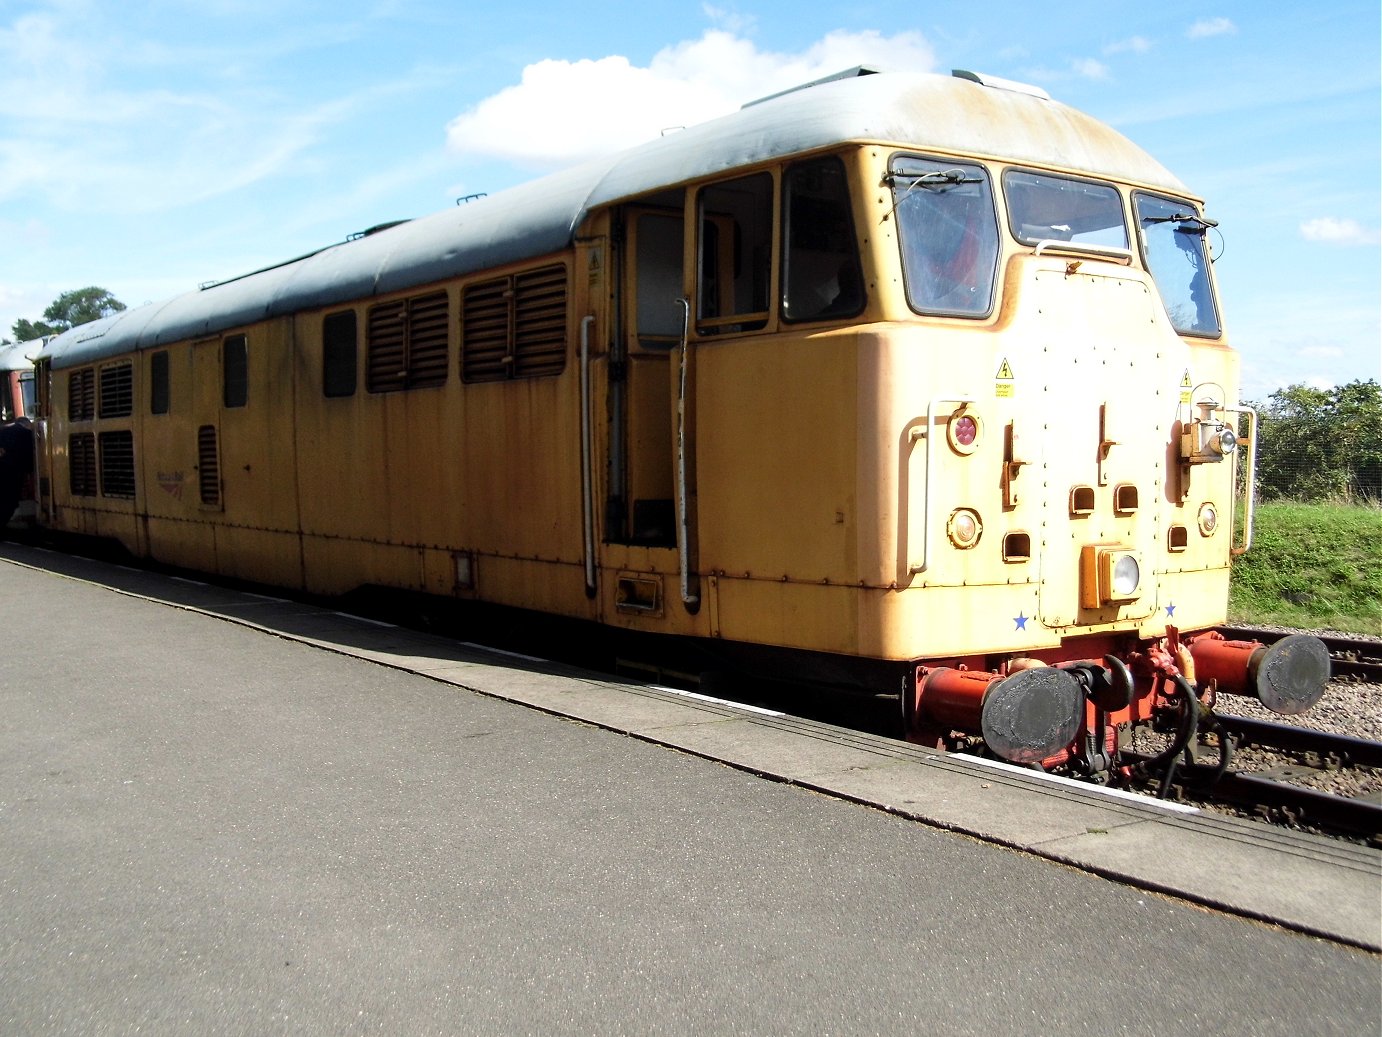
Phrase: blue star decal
{"type": "Point", "coordinates": [1170, 610]}
{"type": "Point", "coordinates": [1021, 621]}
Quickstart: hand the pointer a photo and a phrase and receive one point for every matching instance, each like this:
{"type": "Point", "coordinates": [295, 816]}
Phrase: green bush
{"type": "Point", "coordinates": [1312, 566]}
{"type": "Point", "coordinates": [1321, 444]}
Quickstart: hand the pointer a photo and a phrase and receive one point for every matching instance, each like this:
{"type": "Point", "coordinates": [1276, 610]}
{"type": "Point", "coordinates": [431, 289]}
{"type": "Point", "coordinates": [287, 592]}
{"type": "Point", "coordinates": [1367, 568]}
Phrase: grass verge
{"type": "Point", "coordinates": [1313, 566]}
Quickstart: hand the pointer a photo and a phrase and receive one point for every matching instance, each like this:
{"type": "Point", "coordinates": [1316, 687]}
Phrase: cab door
{"type": "Point", "coordinates": [642, 495]}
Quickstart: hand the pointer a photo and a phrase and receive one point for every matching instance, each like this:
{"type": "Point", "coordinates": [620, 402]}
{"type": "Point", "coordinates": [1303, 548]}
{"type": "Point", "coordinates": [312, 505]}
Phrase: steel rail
{"type": "Point", "coordinates": [1300, 805]}
{"type": "Point", "coordinates": [1350, 751]}
{"type": "Point", "coordinates": [1325, 809]}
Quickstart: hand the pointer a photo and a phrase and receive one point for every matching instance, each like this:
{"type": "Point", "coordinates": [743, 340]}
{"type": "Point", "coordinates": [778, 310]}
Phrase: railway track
{"type": "Point", "coordinates": [1350, 658]}
{"type": "Point", "coordinates": [1283, 774]}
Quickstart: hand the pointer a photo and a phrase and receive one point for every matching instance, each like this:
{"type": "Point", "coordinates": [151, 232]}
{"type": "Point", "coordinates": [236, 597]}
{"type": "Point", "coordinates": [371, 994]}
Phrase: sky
{"type": "Point", "coordinates": [148, 148]}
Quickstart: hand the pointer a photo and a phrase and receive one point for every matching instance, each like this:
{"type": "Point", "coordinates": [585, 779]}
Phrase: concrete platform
{"type": "Point", "coordinates": [144, 708]}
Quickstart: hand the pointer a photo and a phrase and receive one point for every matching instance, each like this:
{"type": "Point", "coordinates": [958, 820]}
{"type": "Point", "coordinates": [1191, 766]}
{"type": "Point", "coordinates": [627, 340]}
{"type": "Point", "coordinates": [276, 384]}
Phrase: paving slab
{"type": "Point", "coordinates": [1297, 880]}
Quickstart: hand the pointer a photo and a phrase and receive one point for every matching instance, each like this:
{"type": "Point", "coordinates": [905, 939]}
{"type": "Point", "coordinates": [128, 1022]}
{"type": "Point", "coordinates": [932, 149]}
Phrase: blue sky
{"type": "Point", "coordinates": [149, 147]}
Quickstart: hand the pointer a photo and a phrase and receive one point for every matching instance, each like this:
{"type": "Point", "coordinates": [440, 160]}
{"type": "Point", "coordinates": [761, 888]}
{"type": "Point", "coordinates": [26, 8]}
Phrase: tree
{"type": "Point", "coordinates": [1321, 444]}
{"type": "Point", "coordinates": [24, 330]}
{"type": "Point", "coordinates": [81, 306]}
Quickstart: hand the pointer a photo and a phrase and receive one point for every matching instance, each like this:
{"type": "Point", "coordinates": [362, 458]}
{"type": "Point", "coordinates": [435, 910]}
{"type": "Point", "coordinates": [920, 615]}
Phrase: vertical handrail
{"type": "Point", "coordinates": [929, 434]}
{"type": "Point", "coordinates": [1249, 482]}
{"type": "Point", "coordinates": [683, 513]}
{"type": "Point", "coordinates": [587, 473]}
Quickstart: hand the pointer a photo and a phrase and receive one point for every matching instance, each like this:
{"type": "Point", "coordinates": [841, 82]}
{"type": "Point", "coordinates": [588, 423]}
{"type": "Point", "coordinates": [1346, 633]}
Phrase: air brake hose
{"type": "Point", "coordinates": [1208, 777]}
{"type": "Point", "coordinates": [1189, 725]}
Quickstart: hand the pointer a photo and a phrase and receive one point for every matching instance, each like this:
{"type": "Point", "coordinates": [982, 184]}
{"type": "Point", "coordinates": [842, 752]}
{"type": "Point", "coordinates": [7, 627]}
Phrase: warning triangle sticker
{"type": "Point", "coordinates": [1005, 371]}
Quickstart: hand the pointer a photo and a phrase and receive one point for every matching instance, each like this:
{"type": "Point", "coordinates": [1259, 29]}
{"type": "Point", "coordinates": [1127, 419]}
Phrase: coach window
{"type": "Point", "coordinates": [1172, 235]}
{"type": "Point", "coordinates": [27, 390]}
{"type": "Point", "coordinates": [339, 354]}
{"type": "Point", "coordinates": [159, 391]}
{"type": "Point", "coordinates": [235, 381]}
{"type": "Point", "coordinates": [948, 232]}
{"type": "Point", "coordinates": [734, 255]}
{"type": "Point", "coordinates": [820, 265]}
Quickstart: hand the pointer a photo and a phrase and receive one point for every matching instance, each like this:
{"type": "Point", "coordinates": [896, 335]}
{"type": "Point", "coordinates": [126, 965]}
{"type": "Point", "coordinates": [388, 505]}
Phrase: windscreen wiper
{"type": "Point", "coordinates": [934, 177]}
{"type": "Point", "coordinates": [1188, 222]}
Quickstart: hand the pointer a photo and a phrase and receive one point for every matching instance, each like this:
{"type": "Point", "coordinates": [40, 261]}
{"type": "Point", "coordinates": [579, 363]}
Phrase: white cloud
{"type": "Point", "coordinates": [1089, 68]}
{"type": "Point", "coordinates": [1134, 44]}
{"type": "Point", "coordinates": [566, 111]}
{"type": "Point", "coordinates": [86, 105]}
{"type": "Point", "coordinates": [1330, 231]}
{"type": "Point", "coordinates": [729, 19]}
{"type": "Point", "coordinates": [1207, 27]}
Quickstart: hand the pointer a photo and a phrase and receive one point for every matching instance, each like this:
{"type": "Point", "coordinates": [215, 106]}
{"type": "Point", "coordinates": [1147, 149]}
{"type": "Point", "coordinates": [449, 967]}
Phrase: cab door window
{"type": "Point", "coordinates": [734, 255]}
{"type": "Point", "coordinates": [821, 279]}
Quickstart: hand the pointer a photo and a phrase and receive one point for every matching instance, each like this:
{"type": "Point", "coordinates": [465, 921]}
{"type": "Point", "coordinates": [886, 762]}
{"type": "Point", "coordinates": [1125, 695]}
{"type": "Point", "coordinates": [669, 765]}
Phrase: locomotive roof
{"type": "Point", "coordinates": [14, 355]}
{"type": "Point", "coordinates": [923, 111]}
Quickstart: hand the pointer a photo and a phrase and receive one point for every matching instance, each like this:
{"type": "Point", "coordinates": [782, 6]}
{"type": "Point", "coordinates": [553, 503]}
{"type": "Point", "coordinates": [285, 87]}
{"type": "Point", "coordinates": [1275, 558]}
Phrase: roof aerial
{"type": "Point", "coordinates": [849, 73]}
{"type": "Point", "coordinates": [998, 83]}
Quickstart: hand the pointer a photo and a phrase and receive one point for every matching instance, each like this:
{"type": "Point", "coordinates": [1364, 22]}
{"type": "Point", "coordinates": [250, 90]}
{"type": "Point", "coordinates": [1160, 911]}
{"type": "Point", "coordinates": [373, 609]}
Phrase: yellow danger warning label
{"type": "Point", "coordinates": [1003, 380]}
{"type": "Point", "coordinates": [1186, 386]}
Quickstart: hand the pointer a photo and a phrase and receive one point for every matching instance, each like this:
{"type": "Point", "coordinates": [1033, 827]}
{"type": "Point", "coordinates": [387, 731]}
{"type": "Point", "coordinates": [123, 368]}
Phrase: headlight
{"type": "Point", "coordinates": [1126, 576]}
{"type": "Point", "coordinates": [1110, 574]}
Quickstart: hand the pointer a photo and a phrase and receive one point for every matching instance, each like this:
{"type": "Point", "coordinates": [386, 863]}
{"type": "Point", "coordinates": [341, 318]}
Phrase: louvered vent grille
{"type": "Point", "coordinates": [81, 395]}
{"type": "Point", "coordinates": [117, 391]}
{"type": "Point", "coordinates": [540, 322]}
{"type": "Point", "coordinates": [81, 464]}
{"type": "Point", "coordinates": [408, 344]}
{"type": "Point", "coordinates": [117, 464]}
{"type": "Point", "coordinates": [428, 317]}
{"type": "Point", "coordinates": [514, 327]}
{"type": "Point", "coordinates": [485, 332]}
{"type": "Point", "coordinates": [387, 364]}
{"type": "Point", "coordinates": [208, 465]}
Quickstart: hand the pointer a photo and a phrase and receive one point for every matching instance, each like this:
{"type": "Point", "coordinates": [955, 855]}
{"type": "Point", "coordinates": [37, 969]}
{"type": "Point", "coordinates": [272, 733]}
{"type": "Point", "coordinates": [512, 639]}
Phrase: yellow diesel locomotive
{"type": "Point", "coordinates": [916, 382]}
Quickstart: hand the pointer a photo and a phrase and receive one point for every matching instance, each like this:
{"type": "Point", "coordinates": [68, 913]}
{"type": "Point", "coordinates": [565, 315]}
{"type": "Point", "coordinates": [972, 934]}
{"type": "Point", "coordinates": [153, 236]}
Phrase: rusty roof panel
{"type": "Point", "coordinates": [926, 112]}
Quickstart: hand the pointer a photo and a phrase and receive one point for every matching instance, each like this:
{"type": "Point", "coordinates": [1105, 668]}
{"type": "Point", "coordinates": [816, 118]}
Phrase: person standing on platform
{"type": "Point", "coordinates": [16, 466]}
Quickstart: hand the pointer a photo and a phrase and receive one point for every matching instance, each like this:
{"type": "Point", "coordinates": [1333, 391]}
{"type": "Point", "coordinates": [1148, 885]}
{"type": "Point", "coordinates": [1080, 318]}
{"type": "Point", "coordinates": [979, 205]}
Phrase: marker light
{"type": "Point", "coordinates": [1207, 440]}
{"type": "Point", "coordinates": [1209, 519]}
{"type": "Point", "coordinates": [964, 528]}
{"type": "Point", "coordinates": [1223, 441]}
{"type": "Point", "coordinates": [962, 432]}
